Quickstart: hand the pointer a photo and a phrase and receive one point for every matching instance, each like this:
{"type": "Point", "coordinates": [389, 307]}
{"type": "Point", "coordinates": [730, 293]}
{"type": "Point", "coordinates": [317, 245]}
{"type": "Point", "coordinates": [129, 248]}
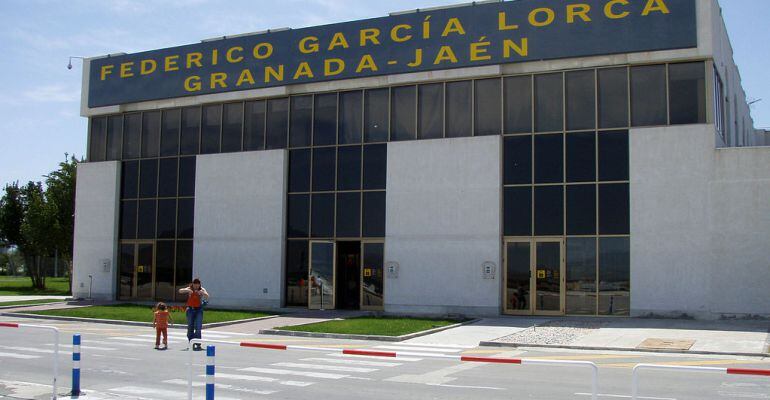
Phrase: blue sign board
{"type": "Point", "coordinates": [464, 36]}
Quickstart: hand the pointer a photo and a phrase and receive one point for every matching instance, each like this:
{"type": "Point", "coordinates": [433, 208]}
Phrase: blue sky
{"type": "Point", "coordinates": [40, 98]}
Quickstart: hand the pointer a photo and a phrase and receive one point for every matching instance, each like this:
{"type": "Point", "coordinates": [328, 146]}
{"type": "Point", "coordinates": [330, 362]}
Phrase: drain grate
{"type": "Point", "coordinates": [666, 344]}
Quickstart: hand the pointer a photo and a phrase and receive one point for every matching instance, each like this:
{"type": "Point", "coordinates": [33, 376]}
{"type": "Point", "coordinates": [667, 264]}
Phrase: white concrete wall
{"type": "Point", "coordinates": [239, 227]}
{"type": "Point", "coordinates": [97, 199]}
{"type": "Point", "coordinates": [700, 225]}
{"type": "Point", "coordinates": [442, 223]}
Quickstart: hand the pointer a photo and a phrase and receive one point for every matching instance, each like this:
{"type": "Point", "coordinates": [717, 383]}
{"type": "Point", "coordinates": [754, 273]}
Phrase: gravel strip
{"type": "Point", "coordinates": [553, 332]}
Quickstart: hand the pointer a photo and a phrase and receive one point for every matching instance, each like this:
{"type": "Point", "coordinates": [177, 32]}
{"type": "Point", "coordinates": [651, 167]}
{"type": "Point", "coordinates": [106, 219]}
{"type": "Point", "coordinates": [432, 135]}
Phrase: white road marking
{"type": "Point", "coordinates": [35, 350]}
{"type": "Point", "coordinates": [465, 386]}
{"type": "Point", "coordinates": [183, 382]}
{"type": "Point", "coordinates": [426, 349]}
{"type": "Point", "coordinates": [622, 396]}
{"type": "Point", "coordinates": [371, 357]}
{"type": "Point", "coordinates": [183, 336]}
{"type": "Point", "coordinates": [116, 343]}
{"type": "Point", "coordinates": [449, 346]}
{"type": "Point", "coordinates": [155, 393]}
{"type": "Point", "coordinates": [239, 377]}
{"type": "Point", "coordinates": [205, 331]}
{"type": "Point", "coordinates": [134, 339]}
{"type": "Point", "coordinates": [271, 371]}
{"type": "Point", "coordinates": [90, 347]}
{"type": "Point", "coordinates": [115, 357]}
{"type": "Point", "coordinates": [353, 362]}
{"type": "Point", "coordinates": [19, 356]}
{"type": "Point", "coordinates": [323, 367]}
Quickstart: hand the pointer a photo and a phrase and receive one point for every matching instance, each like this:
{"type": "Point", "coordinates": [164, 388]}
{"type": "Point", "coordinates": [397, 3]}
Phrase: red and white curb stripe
{"type": "Point", "coordinates": [728, 371]}
{"type": "Point", "coordinates": [55, 347]}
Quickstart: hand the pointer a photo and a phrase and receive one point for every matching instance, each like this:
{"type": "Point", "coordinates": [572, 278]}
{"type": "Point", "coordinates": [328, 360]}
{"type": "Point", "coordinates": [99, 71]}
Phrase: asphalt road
{"type": "Point", "coordinates": [119, 362]}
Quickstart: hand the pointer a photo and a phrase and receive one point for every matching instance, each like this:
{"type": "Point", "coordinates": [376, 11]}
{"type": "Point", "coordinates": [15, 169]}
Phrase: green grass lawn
{"type": "Point", "coordinates": [384, 326]}
{"type": "Point", "coordinates": [22, 286]}
{"type": "Point", "coordinates": [28, 302]}
{"type": "Point", "coordinates": [142, 313]}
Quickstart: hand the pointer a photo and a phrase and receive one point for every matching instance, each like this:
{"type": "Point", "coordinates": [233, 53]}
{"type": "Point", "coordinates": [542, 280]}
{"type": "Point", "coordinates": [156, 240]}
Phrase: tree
{"type": "Point", "coordinates": [36, 229]}
{"type": "Point", "coordinates": [12, 211]}
{"type": "Point", "coordinates": [60, 195]}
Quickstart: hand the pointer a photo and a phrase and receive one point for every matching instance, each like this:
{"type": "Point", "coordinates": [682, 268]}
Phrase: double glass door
{"type": "Point", "coordinates": [137, 270]}
{"type": "Point", "coordinates": [534, 277]}
{"type": "Point", "coordinates": [329, 284]}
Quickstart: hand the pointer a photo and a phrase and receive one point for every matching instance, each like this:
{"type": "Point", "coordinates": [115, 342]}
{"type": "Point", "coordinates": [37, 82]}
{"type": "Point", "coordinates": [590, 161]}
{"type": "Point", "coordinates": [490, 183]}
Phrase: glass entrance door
{"type": "Point", "coordinates": [321, 275]}
{"type": "Point", "coordinates": [137, 271]}
{"type": "Point", "coordinates": [372, 282]}
{"type": "Point", "coordinates": [534, 277]}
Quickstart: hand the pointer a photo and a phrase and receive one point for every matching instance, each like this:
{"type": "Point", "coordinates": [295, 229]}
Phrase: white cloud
{"type": "Point", "coordinates": [54, 93]}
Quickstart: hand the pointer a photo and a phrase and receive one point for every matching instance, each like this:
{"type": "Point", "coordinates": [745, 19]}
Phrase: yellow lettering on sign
{"type": "Point", "coordinates": [338, 40]}
{"type": "Point", "coordinates": [271, 73]}
{"type": "Point", "coordinates": [229, 55]}
{"type": "Point", "coordinates": [194, 58]}
{"type": "Point", "coordinates": [394, 33]}
{"type": "Point", "coordinates": [369, 34]}
{"type": "Point", "coordinates": [144, 69]}
{"type": "Point", "coordinates": [655, 5]}
{"type": "Point", "coordinates": [502, 25]}
{"type": "Point", "coordinates": [306, 48]}
{"type": "Point", "coordinates": [578, 10]}
{"type": "Point", "coordinates": [520, 49]}
{"type": "Point", "coordinates": [246, 76]}
{"type": "Point", "coordinates": [218, 79]}
{"type": "Point", "coordinates": [214, 56]}
{"type": "Point", "coordinates": [106, 70]}
{"type": "Point", "coordinates": [339, 63]}
{"type": "Point", "coordinates": [169, 63]}
{"type": "Point", "coordinates": [125, 69]}
{"type": "Point", "coordinates": [549, 16]}
{"type": "Point", "coordinates": [192, 83]}
{"type": "Point", "coordinates": [479, 50]}
{"type": "Point", "coordinates": [445, 53]}
{"type": "Point", "coordinates": [610, 12]}
{"type": "Point", "coordinates": [303, 70]}
{"type": "Point", "coordinates": [263, 51]}
{"type": "Point", "coordinates": [426, 28]}
{"type": "Point", "coordinates": [367, 62]}
{"type": "Point", "coordinates": [417, 59]}
{"type": "Point", "coordinates": [453, 25]}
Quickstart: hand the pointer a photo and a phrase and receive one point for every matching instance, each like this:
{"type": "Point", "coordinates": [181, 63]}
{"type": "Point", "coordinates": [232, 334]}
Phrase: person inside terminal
{"type": "Point", "coordinates": [530, 157]}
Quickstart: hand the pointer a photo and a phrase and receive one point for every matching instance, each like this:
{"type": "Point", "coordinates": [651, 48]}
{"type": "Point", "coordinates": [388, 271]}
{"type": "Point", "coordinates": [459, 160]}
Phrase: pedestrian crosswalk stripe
{"type": "Point", "coordinates": [354, 356]}
{"type": "Point", "coordinates": [272, 371]}
{"type": "Point", "coordinates": [115, 343]}
{"type": "Point", "coordinates": [425, 349]}
{"type": "Point", "coordinates": [205, 331]}
{"type": "Point", "coordinates": [19, 356]}
{"type": "Point", "coordinates": [34, 350]}
{"type": "Point", "coordinates": [222, 386]}
{"type": "Point", "coordinates": [155, 393]}
{"type": "Point", "coordinates": [134, 339]}
{"type": "Point", "coordinates": [353, 362]}
{"type": "Point", "coordinates": [84, 347]}
{"type": "Point", "coordinates": [320, 367]}
{"type": "Point", "coordinates": [260, 379]}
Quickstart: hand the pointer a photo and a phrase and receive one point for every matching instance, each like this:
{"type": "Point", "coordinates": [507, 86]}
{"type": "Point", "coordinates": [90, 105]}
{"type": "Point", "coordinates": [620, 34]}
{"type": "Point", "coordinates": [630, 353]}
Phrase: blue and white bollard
{"type": "Point", "coordinates": [76, 365]}
{"type": "Point", "coordinates": [210, 372]}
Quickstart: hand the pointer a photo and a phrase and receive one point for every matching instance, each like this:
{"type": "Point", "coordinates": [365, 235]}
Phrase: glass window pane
{"type": "Point", "coordinates": [581, 100]}
{"type": "Point", "coordinates": [324, 168]}
{"type": "Point", "coordinates": [349, 168]}
{"type": "Point", "coordinates": [190, 134]}
{"type": "Point", "coordinates": [232, 127]}
{"type": "Point", "coordinates": [431, 101]}
{"type": "Point", "coordinates": [298, 215]}
{"type": "Point", "coordinates": [129, 187]}
{"type": "Point", "coordinates": [376, 120]}
{"type": "Point", "coordinates": [458, 109]}
{"type": "Point", "coordinates": [301, 121]}
{"type": "Point", "coordinates": [296, 272]}
{"type": "Point", "coordinates": [518, 104]}
{"type": "Point", "coordinates": [148, 178]}
{"type": "Point", "coordinates": [549, 210]}
{"type": "Point", "coordinates": [166, 219]}
{"type": "Point", "coordinates": [184, 266]}
{"type": "Point", "coordinates": [98, 139]}
{"type": "Point", "coordinates": [613, 97]}
{"type": "Point", "coordinates": [132, 126]}
{"type": "Point", "coordinates": [403, 117]}
{"type": "Point", "coordinates": [169, 134]}
{"type": "Point", "coordinates": [648, 95]}
{"type": "Point", "coordinates": [549, 103]}
{"type": "Point", "coordinates": [372, 284]}
{"type": "Point", "coordinates": [126, 283]}
{"type": "Point", "coordinates": [277, 123]}
{"type": "Point", "coordinates": [348, 214]}
{"type": "Point", "coordinates": [687, 93]}
{"type": "Point", "coordinates": [186, 176]}
{"type": "Point", "coordinates": [150, 134]}
{"type": "Point", "coordinates": [373, 215]}
{"type": "Point", "coordinates": [517, 160]}
{"type": "Point", "coordinates": [614, 209]}
{"type": "Point", "coordinates": [322, 215]}
{"type": "Point", "coordinates": [517, 275]}
{"type": "Point", "coordinates": [299, 170]}
{"type": "Point", "coordinates": [254, 125]}
{"type": "Point", "coordinates": [211, 129]}
{"type": "Point", "coordinates": [613, 156]}
{"type": "Point", "coordinates": [549, 158]}
{"type": "Point", "coordinates": [167, 179]}
{"type": "Point", "coordinates": [185, 218]}
{"type": "Point", "coordinates": [325, 120]}
{"type": "Point", "coordinates": [488, 107]}
{"type": "Point", "coordinates": [614, 276]}
{"type": "Point", "coordinates": [581, 276]}
{"type": "Point", "coordinates": [517, 211]}
{"type": "Point", "coordinates": [375, 166]}
{"type": "Point", "coordinates": [350, 117]}
{"type": "Point", "coordinates": [581, 157]}
{"type": "Point", "coordinates": [164, 270]}
{"type": "Point", "coordinates": [581, 210]}
{"type": "Point", "coordinates": [128, 219]}
{"type": "Point", "coordinates": [114, 137]}
{"type": "Point", "coordinates": [145, 224]}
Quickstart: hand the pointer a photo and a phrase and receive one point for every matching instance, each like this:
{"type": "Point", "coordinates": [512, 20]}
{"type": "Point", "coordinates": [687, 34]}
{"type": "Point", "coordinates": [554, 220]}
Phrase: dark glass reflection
{"type": "Point", "coordinates": [549, 210]}
{"type": "Point", "coordinates": [184, 265]}
{"type": "Point", "coordinates": [350, 118]}
{"type": "Point", "coordinates": [277, 123]}
{"type": "Point", "coordinates": [687, 93]}
{"type": "Point", "coordinates": [431, 112]}
{"type": "Point", "coordinates": [211, 129]}
{"type": "Point", "coordinates": [298, 215]}
{"type": "Point", "coordinates": [115, 137]}
{"type": "Point", "coordinates": [373, 276]}
{"type": "Point", "coordinates": [581, 210]}
{"type": "Point", "coordinates": [150, 134]}
{"type": "Point", "coordinates": [581, 157]}
{"type": "Point", "coordinates": [169, 134]}
{"type": "Point", "coordinates": [348, 214]}
{"type": "Point", "coordinates": [166, 228]}
{"type": "Point", "coordinates": [518, 104]}
{"type": "Point", "coordinates": [145, 224]}
{"type": "Point", "coordinates": [648, 95]}
{"type": "Point", "coordinates": [517, 274]}
{"type": "Point", "coordinates": [185, 223]}
{"type": "Point", "coordinates": [613, 97]}
{"type": "Point", "coordinates": [299, 170]}
{"type": "Point", "coordinates": [98, 139]}
{"type": "Point", "coordinates": [322, 215]}
{"type": "Point", "coordinates": [132, 127]}
{"type": "Point", "coordinates": [549, 103]}
{"type": "Point", "coordinates": [487, 107]}
{"type": "Point", "coordinates": [614, 276]}
{"type": "Point", "coordinates": [517, 211]}
{"type": "Point", "coordinates": [296, 272]}
{"type": "Point", "coordinates": [581, 100]}
{"type": "Point", "coordinates": [126, 283]}
{"type": "Point", "coordinates": [148, 178]}
{"type": "Point", "coordinates": [581, 276]}
{"type": "Point", "coordinates": [167, 177]}
{"type": "Point", "coordinates": [301, 121]}
{"type": "Point", "coordinates": [613, 156]}
{"type": "Point", "coordinates": [325, 119]}
{"type": "Point", "coordinates": [232, 127]}
{"type": "Point", "coordinates": [549, 158]}
{"type": "Point", "coordinates": [375, 166]}
{"type": "Point", "coordinates": [190, 133]}
{"type": "Point", "coordinates": [376, 120]}
{"type": "Point", "coordinates": [164, 270]}
{"type": "Point", "coordinates": [254, 125]}
{"type": "Point", "coordinates": [324, 168]}
{"type": "Point", "coordinates": [517, 160]}
{"type": "Point", "coordinates": [349, 168]}
{"type": "Point", "coordinates": [186, 176]}
{"type": "Point", "coordinates": [458, 109]}
{"type": "Point", "coordinates": [129, 187]}
{"type": "Point", "coordinates": [373, 214]}
{"type": "Point", "coordinates": [403, 117]}
{"type": "Point", "coordinates": [614, 211]}
{"type": "Point", "coordinates": [128, 219]}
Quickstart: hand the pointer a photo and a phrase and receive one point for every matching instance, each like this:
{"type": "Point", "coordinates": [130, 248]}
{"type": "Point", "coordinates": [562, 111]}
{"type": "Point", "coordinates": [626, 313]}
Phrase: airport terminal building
{"type": "Point", "coordinates": [531, 157]}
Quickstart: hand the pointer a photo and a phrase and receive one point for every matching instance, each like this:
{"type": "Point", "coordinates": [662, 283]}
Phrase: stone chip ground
{"type": "Point", "coordinates": [553, 333]}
